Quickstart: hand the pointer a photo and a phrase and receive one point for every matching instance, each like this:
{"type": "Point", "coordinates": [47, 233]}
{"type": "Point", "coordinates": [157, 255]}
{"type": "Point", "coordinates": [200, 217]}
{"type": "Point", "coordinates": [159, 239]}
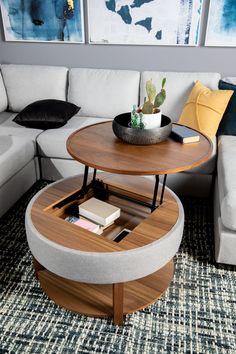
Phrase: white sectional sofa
{"type": "Point", "coordinates": [29, 154]}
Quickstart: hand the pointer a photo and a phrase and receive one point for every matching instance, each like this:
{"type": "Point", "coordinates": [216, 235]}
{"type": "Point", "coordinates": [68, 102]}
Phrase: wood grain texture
{"type": "Point", "coordinates": [118, 303]}
{"type": "Point", "coordinates": [97, 146]}
{"type": "Point", "coordinates": [146, 227]}
{"type": "Point", "coordinates": [37, 266]}
{"type": "Point", "coordinates": [97, 300]}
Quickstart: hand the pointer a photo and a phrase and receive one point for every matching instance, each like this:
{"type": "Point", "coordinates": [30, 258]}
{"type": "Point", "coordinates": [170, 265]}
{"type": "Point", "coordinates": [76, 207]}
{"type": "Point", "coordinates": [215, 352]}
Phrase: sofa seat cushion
{"type": "Point", "coordinates": [9, 127]}
{"type": "Point", "coordinates": [3, 96]}
{"type": "Point", "coordinates": [178, 88]}
{"type": "Point", "coordinates": [103, 93]}
{"type": "Point", "coordinates": [15, 153]}
{"type": "Point", "coordinates": [227, 180]}
{"type": "Point", "coordinates": [26, 84]}
{"type": "Point", "coordinates": [3, 117]}
{"type": "Point", "coordinates": [52, 143]}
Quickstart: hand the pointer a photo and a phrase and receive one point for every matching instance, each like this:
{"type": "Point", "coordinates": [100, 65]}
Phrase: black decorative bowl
{"type": "Point", "coordinates": [121, 129]}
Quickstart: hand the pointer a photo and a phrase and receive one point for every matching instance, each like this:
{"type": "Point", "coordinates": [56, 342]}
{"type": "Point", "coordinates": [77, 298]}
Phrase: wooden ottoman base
{"type": "Point", "coordinates": [109, 300]}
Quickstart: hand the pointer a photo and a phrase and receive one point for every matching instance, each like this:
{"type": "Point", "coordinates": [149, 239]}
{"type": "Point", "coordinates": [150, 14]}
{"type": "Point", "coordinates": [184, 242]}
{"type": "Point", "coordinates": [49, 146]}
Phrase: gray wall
{"type": "Point", "coordinates": [200, 58]}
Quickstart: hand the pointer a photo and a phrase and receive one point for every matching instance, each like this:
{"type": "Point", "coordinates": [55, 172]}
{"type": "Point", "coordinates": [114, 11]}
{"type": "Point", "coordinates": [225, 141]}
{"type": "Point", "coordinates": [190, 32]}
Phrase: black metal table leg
{"type": "Point", "coordinates": [94, 174]}
{"type": "Point", "coordinates": [101, 191]}
{"type": "Point", "coordinates": [86, 168]}
{"type": "Point", "coordinates": [163, 189]}
{"type": "Point", "coordinates": [154, 199]}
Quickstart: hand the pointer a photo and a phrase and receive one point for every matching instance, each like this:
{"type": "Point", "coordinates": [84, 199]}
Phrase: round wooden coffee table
{"type": "Point", "coordinates": [91, 274]}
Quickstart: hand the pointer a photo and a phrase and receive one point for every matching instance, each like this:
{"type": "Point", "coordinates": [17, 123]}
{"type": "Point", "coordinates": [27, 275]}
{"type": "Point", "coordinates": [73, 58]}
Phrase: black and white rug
{"type": "Point", "coordinates": [196, 315]}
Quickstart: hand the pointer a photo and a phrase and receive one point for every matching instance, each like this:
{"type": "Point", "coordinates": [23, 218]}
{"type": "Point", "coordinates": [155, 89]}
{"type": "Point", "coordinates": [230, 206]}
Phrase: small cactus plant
{"type": "Point", "coordinates": [136, 119]}
{"type": "Point", "coordinates": [151, 105]}
{"type": "Point", "coordinates": [155, 100]}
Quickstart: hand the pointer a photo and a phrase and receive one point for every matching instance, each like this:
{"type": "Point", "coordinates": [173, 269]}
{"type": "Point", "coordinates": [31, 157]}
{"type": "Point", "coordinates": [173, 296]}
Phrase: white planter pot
{"type": "Point", "coordinates": [151, 121]}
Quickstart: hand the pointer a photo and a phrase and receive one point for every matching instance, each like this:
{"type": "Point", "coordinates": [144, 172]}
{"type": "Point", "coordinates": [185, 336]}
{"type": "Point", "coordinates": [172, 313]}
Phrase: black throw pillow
{"type": "Point", "coordinates": [46, 114]}
{"type": "Point", "coordinates": [228, 123]}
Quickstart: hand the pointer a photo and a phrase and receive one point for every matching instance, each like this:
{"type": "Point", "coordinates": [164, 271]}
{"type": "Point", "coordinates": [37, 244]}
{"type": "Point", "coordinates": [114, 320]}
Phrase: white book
{"type": "Point", "coordinates": [99, 211]}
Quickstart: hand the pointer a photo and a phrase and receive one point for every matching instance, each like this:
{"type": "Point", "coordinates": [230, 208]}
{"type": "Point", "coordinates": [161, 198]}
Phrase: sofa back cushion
{"type": "Point", "coordinates": [178, 88]}
{"type": "Point", "coordinates": [3, 96]}
{"type": "Point", "coordinates": [26, 84]}
{"type": "Point", "coordinates": [230, 79]}
{"type": "Point", "coordinates": [103, 93]}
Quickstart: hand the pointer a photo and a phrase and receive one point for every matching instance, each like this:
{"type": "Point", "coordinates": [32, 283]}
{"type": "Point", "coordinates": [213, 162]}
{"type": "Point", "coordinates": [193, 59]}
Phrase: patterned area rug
{"type": "Point", "coordinates": [196, 315]}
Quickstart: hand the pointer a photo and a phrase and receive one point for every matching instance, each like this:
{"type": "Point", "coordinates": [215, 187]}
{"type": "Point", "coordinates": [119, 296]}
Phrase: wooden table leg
{"type": "Point", "coordinates": [37, 266]}
{"type": "Point", "coordinates": [118, 303]}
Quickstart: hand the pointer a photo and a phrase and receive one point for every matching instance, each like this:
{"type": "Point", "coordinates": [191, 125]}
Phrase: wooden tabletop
{"type": "Point", "coordinates": [97, 146]}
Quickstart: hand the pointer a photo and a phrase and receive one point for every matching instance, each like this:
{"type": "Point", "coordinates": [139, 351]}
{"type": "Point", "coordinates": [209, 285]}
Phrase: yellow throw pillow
{"type": "Point", "coordinates": [204, 109]}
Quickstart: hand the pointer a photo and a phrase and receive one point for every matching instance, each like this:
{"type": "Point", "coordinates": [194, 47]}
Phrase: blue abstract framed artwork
{"type": "Point", "coordinates": [221, 27]}
{"type": "Point", "coordinates": [145, 22]}
{"type": "Point", "coordinates": [43, 20]}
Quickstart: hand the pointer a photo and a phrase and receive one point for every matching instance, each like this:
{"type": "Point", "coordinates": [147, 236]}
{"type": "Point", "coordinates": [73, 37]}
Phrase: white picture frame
{"type": "Point", "coordinates": [178, 22]}
{"type": "Point", "coordinates": [221, 24]}
{"type": "Point", "coordinates": [27, 24]}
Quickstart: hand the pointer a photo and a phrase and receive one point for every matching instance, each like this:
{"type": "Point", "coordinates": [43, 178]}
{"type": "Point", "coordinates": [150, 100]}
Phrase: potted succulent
{"type": "Point", "coordinates": [149, 115]}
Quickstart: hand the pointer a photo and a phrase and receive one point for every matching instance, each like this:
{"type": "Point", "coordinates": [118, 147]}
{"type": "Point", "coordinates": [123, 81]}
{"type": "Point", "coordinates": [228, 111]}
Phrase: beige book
{"type": "Point", "coordinates": [99, 211]}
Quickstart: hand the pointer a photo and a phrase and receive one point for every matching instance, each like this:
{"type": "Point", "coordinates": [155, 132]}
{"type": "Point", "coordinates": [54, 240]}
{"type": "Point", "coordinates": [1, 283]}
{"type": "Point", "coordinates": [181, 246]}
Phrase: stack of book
{"type": "Point", "coordinates": [184, 134]}
{"type": "Point", "coordinates": [95, 215]}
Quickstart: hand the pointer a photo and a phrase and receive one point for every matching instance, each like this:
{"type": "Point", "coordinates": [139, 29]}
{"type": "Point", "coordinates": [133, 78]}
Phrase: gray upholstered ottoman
{"type": "Point", "coordinates": [77, 268]}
